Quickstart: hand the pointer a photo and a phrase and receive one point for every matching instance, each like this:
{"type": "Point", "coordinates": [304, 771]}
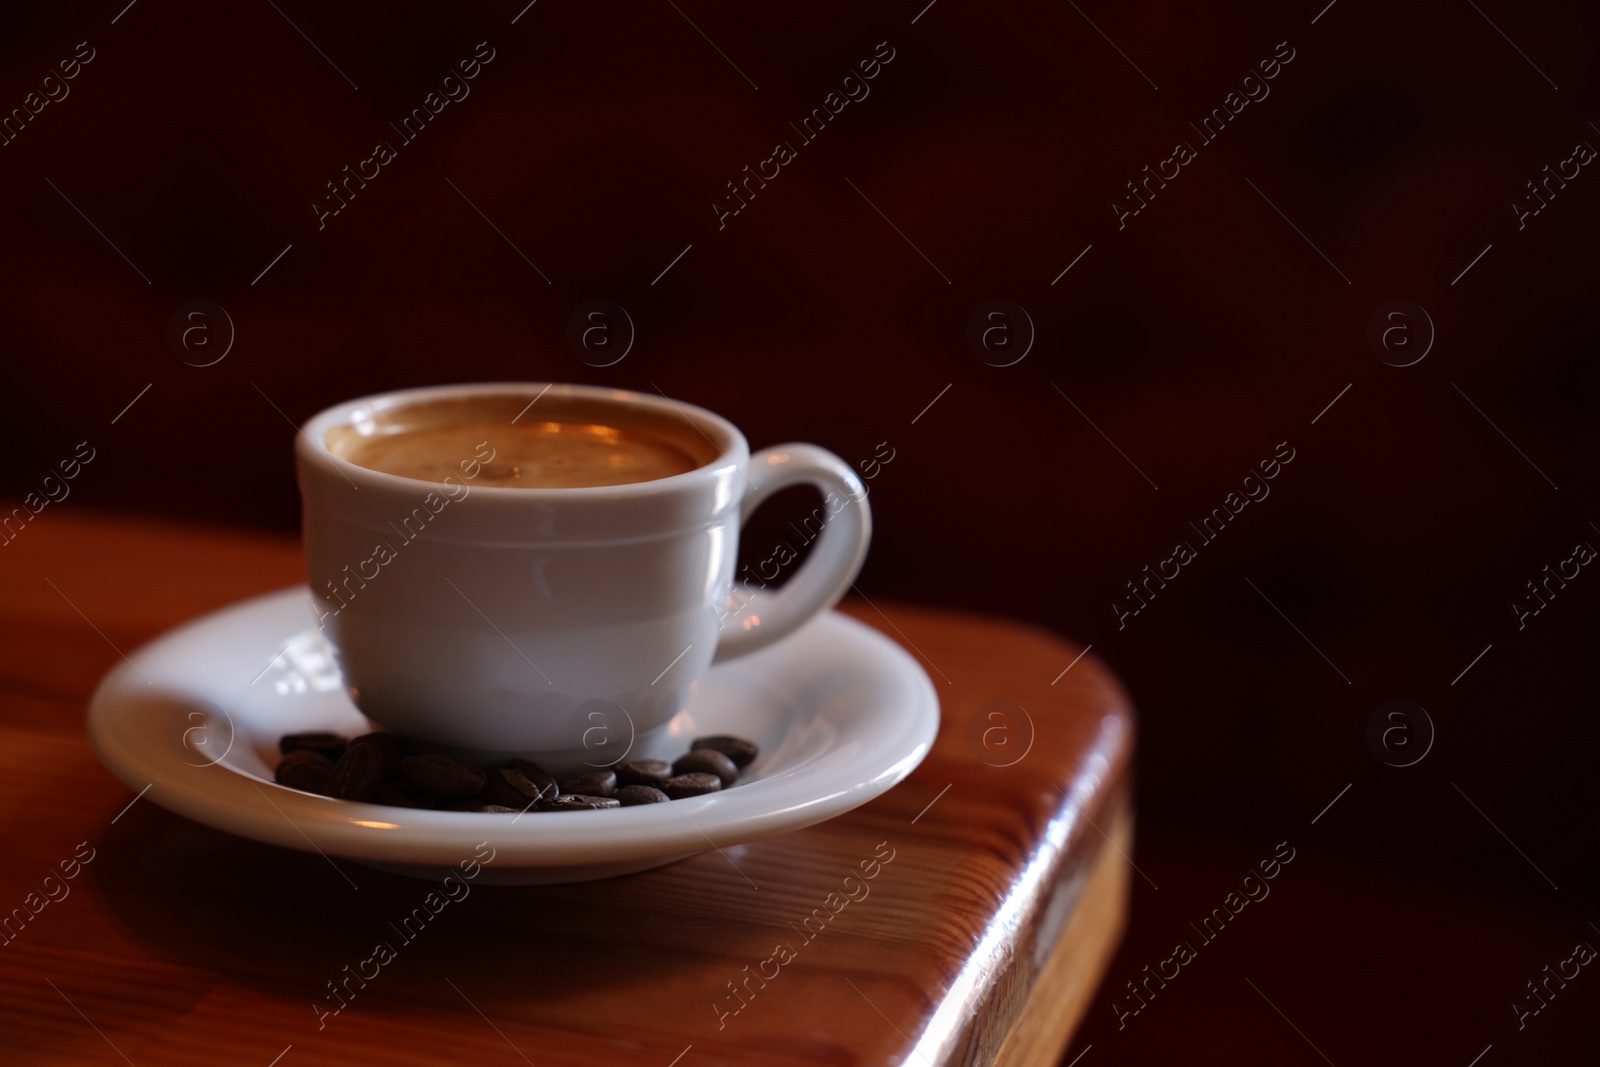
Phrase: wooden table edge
{"type": "Point", "coordinates": [1066, 984]}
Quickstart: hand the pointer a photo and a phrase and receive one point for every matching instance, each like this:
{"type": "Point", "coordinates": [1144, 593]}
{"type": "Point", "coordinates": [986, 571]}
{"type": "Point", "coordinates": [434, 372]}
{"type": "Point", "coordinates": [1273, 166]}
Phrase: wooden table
{"type": "Point", "coordinates": [981, 941]}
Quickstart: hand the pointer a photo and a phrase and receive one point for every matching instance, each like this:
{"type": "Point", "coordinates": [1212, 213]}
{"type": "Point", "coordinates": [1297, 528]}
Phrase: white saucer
{"type": "Point", "coordinates": [841, 714]}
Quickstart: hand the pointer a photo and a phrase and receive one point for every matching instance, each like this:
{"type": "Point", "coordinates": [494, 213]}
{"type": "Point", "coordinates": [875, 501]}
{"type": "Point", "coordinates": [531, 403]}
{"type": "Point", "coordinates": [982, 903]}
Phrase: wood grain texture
{"type": "Point", "coordinates": [983, 931]}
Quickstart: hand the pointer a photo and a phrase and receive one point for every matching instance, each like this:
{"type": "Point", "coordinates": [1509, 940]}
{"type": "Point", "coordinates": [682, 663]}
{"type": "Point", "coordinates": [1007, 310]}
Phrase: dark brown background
{"type": "Point", "coordinates": [1197, 338]}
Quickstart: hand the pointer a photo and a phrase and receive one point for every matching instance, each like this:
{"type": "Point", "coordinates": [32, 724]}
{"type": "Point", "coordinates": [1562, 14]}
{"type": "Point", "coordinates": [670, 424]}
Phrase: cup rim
{"type": "Point", "coordinates": [732, 451]}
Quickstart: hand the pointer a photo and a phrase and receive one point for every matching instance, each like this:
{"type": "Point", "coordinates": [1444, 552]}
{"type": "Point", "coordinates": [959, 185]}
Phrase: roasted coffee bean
{"type": "Point", "coordinates": [358, 774]}
{"type": "Point", "coordinates": [632, 795]}
{"type": "Point", "coordinates": [397, 797]}
{"type": "Point", "coordinates": [707, 761]}
{"type": "Point", "coordinates": [742, 752]}
{"type": "Point", "coordinates": [496, 790]}
{"type": "Point", "coordinates": [304, 770]}
{"type": "Point", "coordinates": [540, 781]}
{"type": "Point", "coordinates": [306, 756]}
{"type": "Point", "coordinates": [513, 789]}
{"type": "Point", "coordinates": [501, 809]}
{"type": "Point", "coordinates": [643, 772]}
{"type": "Point", "coordinates": [695, 784]}
{"type": "Point", "coordinates": [597, 783]}
{"type": "Point", "coordinates": [322, 742]}
{"type": "Point", "coordinates": [577, 802]}
{"type": "Point", "coordinates": [389, 747]}
{"type": "Point", "coordinates": [470, 804]}
{"type": "Point", "coordinates": [438, 775]}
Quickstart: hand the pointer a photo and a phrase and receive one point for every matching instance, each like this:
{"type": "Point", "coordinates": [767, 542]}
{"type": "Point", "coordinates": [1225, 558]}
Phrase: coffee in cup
{"type": "Point", "coordinates": [564, 443]}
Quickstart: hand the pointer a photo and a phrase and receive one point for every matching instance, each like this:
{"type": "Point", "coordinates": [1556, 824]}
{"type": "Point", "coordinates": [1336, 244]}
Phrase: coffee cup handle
{"type": "Point", "coordinates": [755, 618]}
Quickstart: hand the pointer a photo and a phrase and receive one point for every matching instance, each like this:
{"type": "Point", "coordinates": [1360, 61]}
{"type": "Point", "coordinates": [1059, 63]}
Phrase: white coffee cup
{"type": "Point", "coordinates": [565, 625]}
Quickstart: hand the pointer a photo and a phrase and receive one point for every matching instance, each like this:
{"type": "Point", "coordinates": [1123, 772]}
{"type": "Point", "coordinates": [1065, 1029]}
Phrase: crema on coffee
{"type": "Point", "coordinates": [561, 444]}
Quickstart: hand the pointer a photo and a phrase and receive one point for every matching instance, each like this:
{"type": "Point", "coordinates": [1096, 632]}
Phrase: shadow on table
{"type": "Point", "coordinates": [290, 922]}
